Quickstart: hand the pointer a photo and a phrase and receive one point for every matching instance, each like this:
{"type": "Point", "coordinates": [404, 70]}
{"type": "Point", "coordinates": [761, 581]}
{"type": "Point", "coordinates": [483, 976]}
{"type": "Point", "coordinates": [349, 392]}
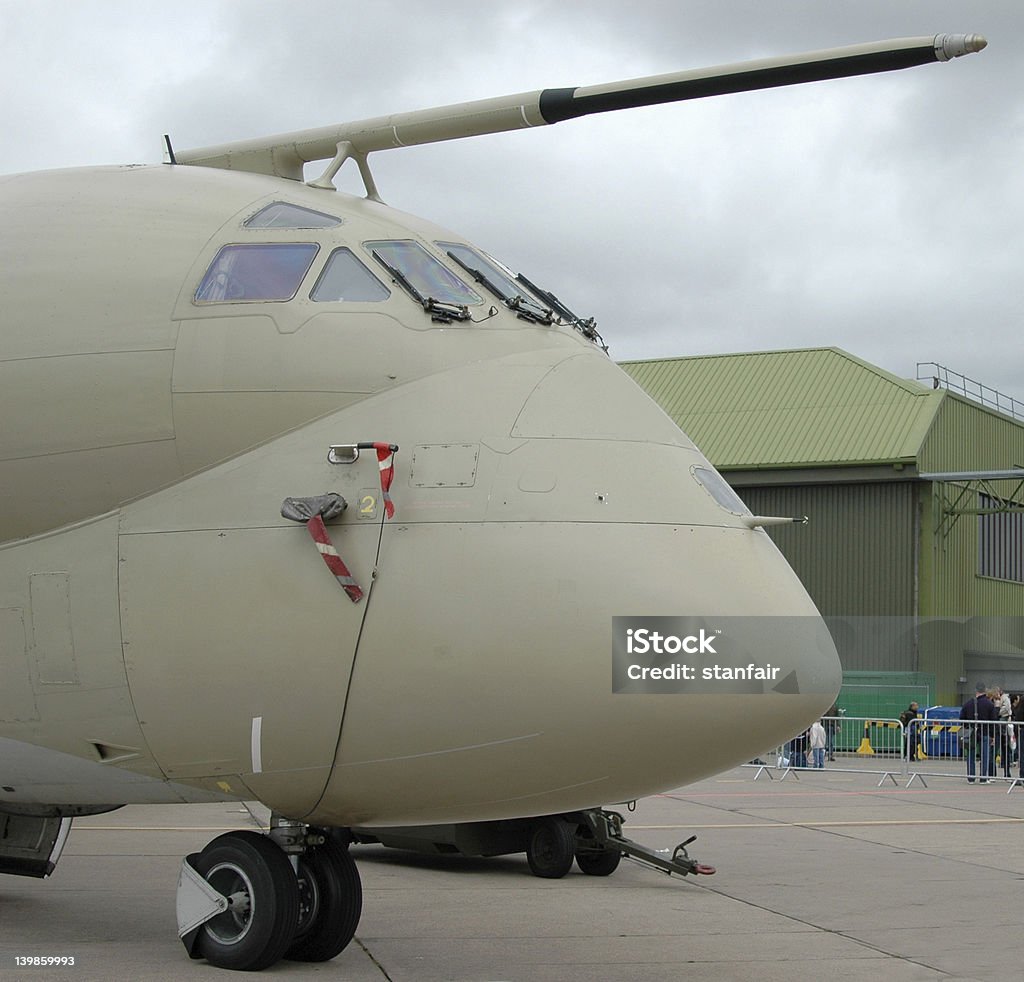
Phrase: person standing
{"type": "Point", "coordinates": [979, 714]}
{"type": "Point", "coordinates": [911, 732]}
{"type": "Point", "coordinates": [1018, 730]}
{"type": "Point", "coordinates": [816, 736]}
{"type": "Point", "coordinates": [1002, 739]}
{"type": "Point", "coordinates": [798, 750]}
{"type": "Point", "coordinates": [831, 720]}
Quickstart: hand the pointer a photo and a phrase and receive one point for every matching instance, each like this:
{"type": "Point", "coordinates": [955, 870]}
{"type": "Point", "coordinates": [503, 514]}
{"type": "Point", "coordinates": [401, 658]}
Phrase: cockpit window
{"type": "Point", "coordinates": [427, 275]}
{"type": "Point", "coordinates": [713, 482]}
{"type": "Point", "coordinates": [345, 278]}
{"type": "Point", "coordinates": [469, 258]}
{"type": "Point", "coordinates": [263, 271]}
{"type": "Point", "coordinates": [281, 214]}
{"type": "Point", "coordinates": [498, 280]}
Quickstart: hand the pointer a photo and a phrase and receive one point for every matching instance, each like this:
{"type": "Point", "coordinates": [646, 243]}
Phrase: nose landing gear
{"type": "Point", "coordinates": [330, 902]}
{"type": "Point", "coordinates": [249, 899]}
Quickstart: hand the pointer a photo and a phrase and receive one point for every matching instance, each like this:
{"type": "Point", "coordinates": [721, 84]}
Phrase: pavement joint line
{"type": "Point", "coordinates": [845, 935]}
{"type": "Point", "coordinates": [840, 824]}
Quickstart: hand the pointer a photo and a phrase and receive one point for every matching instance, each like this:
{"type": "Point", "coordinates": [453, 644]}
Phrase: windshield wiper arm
{"type": "Point", "coordinates": [588, 327]}
{"type": "Point", "coordinates": [528, 310]}
{"type": "Point", "coordinates": [443, 313]}
{"type": "Point", "coordinates": [518, 303]}
{"type": "Point", "coordinates": [480, 277]}
{"type": "Point", "coordinates": [556, 305]}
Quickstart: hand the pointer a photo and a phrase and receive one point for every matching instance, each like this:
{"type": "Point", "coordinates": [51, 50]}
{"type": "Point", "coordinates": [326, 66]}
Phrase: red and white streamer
{"type": "Point", "coordinates": [386, 463]}
{"type": "Point", "coordinates": [334, 562]}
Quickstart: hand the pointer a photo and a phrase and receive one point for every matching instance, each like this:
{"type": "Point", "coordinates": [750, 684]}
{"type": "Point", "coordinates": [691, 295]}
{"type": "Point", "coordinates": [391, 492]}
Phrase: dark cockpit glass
{"type": "Point", "coordinates": [425, 273]}
{"type": "Point", "coordinates": [263, 271]}
{"type": "Point", "coordinates": [345, 278]}
{"type": "Point", "coordinates": [281, 214]}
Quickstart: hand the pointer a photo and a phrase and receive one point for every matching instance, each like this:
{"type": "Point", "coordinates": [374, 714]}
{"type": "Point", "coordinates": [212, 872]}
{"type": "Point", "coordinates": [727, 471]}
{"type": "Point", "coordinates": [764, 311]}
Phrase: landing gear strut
{"type": "Point", "coordinates": [248, 899]}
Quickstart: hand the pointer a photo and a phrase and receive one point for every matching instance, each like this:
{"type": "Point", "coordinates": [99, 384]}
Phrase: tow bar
{"type": "Point", "coordinates": [606, 828]}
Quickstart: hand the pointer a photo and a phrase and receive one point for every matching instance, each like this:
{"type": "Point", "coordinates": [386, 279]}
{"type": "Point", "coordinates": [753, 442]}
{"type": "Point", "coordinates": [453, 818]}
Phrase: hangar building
{"type": "Point", "coordinates": [914, 548]}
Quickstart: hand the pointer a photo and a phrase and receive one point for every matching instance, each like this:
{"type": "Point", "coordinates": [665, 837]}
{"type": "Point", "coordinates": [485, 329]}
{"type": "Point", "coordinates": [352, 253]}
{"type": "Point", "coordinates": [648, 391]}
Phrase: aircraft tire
{"type": "Point", "coordinates": [330, 903]}
{"type": "Point", "coordinates": [598, 862]}
{"type": "Point", "coordinates": [251, 870]}
{"type": "Point", "coordinates": [549, 850]}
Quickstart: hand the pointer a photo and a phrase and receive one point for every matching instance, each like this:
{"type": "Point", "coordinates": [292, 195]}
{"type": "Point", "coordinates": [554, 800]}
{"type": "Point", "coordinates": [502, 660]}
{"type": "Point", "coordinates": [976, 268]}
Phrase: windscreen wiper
{"type": "Point", "coordinates": [523, 306]}
{"type": "Point", "coordinates": [588, 327]}
{"type": "Point", "coordinates": [440, 311]}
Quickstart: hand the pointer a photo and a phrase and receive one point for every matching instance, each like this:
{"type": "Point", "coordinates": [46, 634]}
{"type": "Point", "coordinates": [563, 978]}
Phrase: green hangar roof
{"type": "Point", "coordinates": [806, 408]}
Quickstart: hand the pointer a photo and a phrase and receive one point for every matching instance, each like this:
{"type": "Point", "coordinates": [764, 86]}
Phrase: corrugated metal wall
{"type": "Point", "coordinates": [858, 560]}
{"type": "Point", "coordinates": [966, 436]}
{"type": "Point", "coordinates": [954, 598]}
{"type": "Point", "coordinates": [856, 557]}
{"type": "Point", "coordinates": [856, 554]}
{"type": "Point", "coordinates": [950, 584]}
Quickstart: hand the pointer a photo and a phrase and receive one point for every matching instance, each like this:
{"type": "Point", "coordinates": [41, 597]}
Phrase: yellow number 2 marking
{"type": "Point", "coordinates": [367, 506]}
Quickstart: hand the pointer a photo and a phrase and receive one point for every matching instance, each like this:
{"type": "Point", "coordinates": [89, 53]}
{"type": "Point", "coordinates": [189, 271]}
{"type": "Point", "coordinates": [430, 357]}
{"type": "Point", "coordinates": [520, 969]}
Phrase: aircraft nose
{"type": "Point", "coordinates": [743, 664]}
{"type": "Point", "coordinates": [712, 645]}
{"type": "Point", "coordinates": [683, 650]}
{"type": "Point", "coordinates": [503, 683]}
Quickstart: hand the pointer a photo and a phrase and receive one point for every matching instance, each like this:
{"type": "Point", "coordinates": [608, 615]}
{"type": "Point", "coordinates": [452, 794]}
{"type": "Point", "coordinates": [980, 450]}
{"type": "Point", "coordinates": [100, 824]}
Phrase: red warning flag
{"type": "Point", "coordinates": [335, 564]}
{"type": "Point", "coordinates": [386, 463]}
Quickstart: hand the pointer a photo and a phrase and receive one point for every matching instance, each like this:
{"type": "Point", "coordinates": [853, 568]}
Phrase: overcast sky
{"type": "Point", "coordinates": [882, 214]}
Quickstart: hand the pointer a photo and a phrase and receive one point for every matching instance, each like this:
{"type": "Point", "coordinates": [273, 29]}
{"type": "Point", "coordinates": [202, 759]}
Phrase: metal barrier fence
{"type": "Point", "coordinates": [982, 750]}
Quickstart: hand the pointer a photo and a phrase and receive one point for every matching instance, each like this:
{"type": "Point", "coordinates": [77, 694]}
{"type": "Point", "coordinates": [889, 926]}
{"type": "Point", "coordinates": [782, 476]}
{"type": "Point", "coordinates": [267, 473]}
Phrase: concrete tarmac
{"type": "Point", "coordinates": [817, 876]}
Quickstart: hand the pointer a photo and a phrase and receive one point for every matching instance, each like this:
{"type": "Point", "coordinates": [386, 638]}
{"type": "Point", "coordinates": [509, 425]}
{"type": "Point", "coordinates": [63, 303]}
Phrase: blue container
{"type": "Point", "coordinates": [941, 731]}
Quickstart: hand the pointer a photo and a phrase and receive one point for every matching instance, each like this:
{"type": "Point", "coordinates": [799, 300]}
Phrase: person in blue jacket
{"type": "Point", "coordinates": [980, 716]}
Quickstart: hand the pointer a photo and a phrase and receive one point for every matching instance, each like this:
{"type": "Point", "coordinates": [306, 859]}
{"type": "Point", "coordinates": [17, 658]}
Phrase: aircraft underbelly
{"type": "Point", "coordinates": [42, 778]}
